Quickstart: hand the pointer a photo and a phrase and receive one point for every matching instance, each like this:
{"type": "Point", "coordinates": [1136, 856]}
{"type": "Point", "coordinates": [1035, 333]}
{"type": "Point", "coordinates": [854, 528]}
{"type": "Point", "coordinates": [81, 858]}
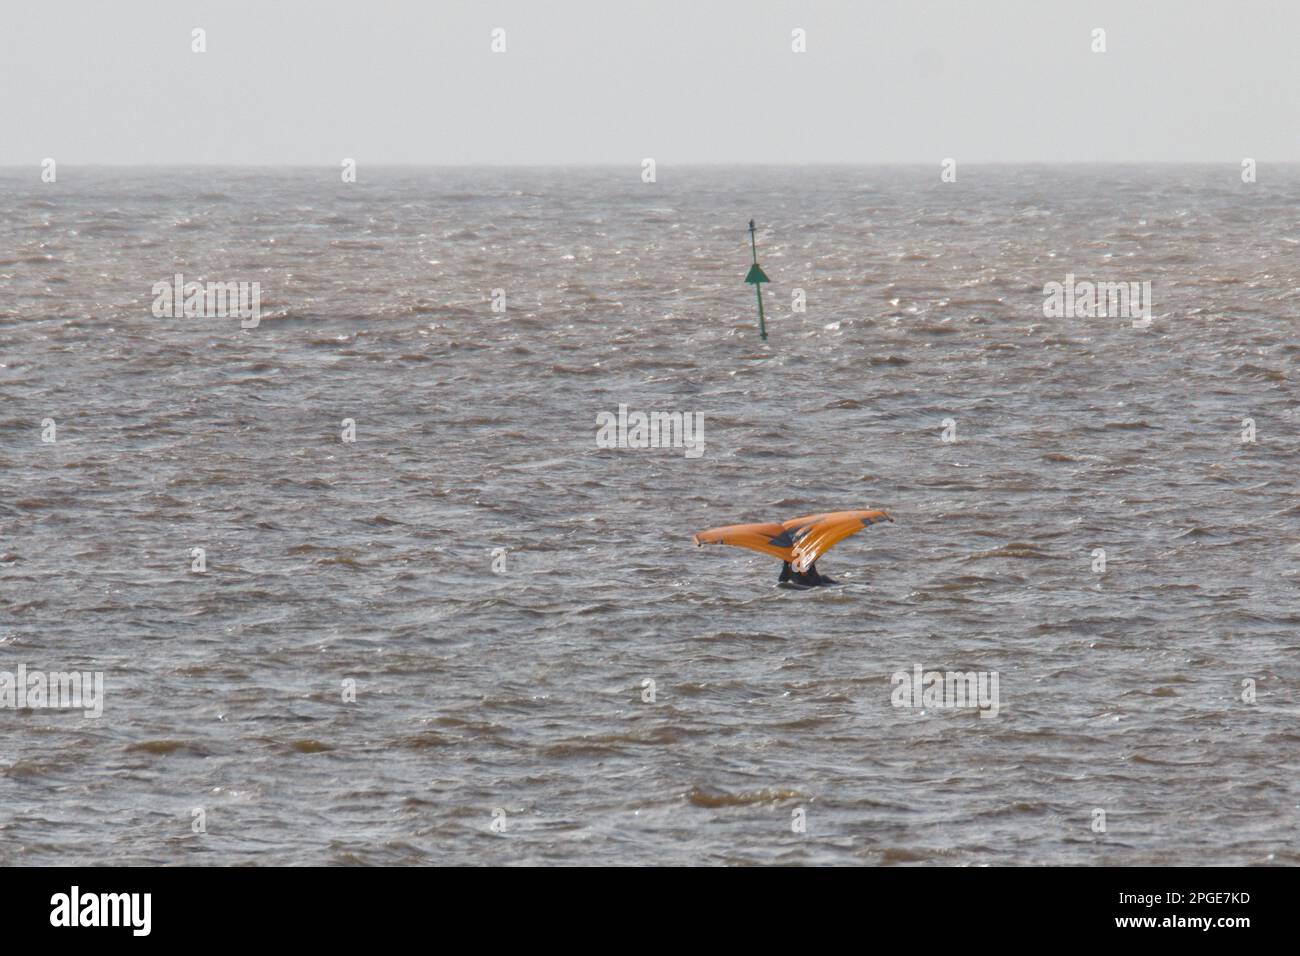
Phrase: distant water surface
{"type": "Point", "coordinates": [475, 430]}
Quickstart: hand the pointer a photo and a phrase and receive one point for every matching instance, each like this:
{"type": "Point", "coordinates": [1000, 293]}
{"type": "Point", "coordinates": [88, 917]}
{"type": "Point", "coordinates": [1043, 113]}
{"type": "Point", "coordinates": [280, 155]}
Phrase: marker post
{"type": "Point", "coordinates": [756, 277]}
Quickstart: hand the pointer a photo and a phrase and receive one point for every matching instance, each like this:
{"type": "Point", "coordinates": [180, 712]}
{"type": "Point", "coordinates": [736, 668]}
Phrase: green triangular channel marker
{"type": "Point", "coordinates": [755, 278]}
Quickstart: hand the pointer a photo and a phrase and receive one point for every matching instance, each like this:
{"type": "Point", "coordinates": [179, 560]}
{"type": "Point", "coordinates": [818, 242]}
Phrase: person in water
{"type": "Point", "coordinates": [808, 579]}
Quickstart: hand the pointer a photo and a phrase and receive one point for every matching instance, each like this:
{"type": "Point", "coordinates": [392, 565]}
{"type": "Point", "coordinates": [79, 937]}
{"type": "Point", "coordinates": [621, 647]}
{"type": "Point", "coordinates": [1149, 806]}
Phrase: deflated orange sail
{"type": "Point", "coordinates": [801, 541]}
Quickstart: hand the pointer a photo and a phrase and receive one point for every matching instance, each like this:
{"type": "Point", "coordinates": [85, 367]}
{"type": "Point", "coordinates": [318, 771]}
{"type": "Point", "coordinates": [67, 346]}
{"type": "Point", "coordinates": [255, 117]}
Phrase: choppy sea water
{"type": "Point", "coordinates": [519, 697]}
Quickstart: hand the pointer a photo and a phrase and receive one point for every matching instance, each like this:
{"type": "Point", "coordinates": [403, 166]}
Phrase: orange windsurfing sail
{"type": "Point", "coordinates": [801, 541]}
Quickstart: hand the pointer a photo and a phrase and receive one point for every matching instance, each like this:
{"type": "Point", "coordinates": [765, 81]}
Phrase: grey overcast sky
{"type": "Point", "coordinates": [704, 81]}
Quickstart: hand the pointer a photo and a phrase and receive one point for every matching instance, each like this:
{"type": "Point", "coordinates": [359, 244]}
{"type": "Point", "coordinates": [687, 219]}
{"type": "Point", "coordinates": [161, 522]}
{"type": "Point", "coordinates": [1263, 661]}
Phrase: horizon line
{"type": "Point", "coordinates": [675, 165]}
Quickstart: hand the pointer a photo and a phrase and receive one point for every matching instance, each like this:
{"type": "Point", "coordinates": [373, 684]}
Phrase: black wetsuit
{"type": "Point", "coordinates": [809, 578]}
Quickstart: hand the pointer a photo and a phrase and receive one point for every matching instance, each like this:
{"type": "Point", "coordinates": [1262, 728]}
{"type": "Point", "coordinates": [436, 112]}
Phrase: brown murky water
{"type": "Point", "coordinates": [522, 692]}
